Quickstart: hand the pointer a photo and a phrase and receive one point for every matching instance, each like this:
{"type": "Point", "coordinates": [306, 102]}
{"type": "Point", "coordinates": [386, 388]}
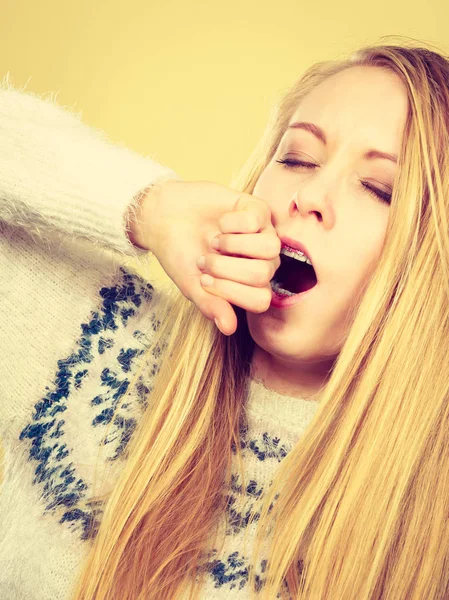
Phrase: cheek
{"type": "Point", "coordinates": [359, 274]}
{"type": "Point", "coordinates": [371, 258]}
{"type": "Point", "coordinates": [366, 249]}
{"type": "Point", "coordinates": [348, 278]}
{"type": "Point", "coordinates": [263, 184]}
{"type": "Point", "coordinates": [271, 184]}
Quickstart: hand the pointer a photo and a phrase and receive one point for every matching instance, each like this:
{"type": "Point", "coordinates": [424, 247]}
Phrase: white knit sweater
{"type": "Point", "coordinates": [75, 317]}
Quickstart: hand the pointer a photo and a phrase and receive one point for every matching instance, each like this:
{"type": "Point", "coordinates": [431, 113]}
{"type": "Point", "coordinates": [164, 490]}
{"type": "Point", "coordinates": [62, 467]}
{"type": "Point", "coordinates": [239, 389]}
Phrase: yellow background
{"type": "Point", "coordinates": [191, 83]}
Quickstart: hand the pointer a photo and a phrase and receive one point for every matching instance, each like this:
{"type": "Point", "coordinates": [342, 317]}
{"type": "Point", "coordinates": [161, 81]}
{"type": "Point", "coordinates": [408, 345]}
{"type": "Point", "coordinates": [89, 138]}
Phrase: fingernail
{"type": "Point", "coordinates": [217, 324]}
{"type": "Point", "coordinates": [201, 262]}
{"type": "Point", "coordinates": [215, 243]}
{"type": "Point", "coordinates": [206, 280]}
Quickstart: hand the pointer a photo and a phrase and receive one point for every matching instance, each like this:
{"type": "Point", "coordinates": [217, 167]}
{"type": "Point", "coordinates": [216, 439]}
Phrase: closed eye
{"type": "Point", "coordinates": [379, 194]}
{"type": "Point", "coordinates": [296, 163]}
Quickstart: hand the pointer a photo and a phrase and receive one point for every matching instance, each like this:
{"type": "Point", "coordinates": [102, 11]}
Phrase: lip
{"type": "Point", "coordinates": [286, 241]}
{"type": "Point", "coordinates": [289, 301]}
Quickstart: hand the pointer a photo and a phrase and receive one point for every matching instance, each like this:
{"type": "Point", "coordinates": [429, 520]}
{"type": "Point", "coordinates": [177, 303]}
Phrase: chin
{"type": "Point", "coordinates": [273, 334]}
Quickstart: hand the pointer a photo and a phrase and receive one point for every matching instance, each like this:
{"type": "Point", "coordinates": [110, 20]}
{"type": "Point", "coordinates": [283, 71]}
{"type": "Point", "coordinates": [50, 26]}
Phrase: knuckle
{"type": "Point", "coordinates": [260, 275]}
{"type": "Point", "coordinates": [252, 220]}
{"type": "Point", "coordinates": [224, 242]}
{"type": "Point", "coordinates": [271, 246]}
{"type": "Point", "coordinates": [220, 222]}
{"type": "Point", "coordinates": [276, 246]}
{"type": "Point", "coordinates": [265, 275]}
{"type": "Point", "coordinates": [275, 266]}
{"type": "Point", "coordinates": [268, 299]}
{"type": "Point", "coordinates": [211, 262]}
{"type": "Point", "coordinates": [269, 271]}
{"type": "Point", "coordinates": [223, 221]}
{"type": "Point", "coordinates": [259, 278]}
{"type": "Point", "coordinates": [264, 300]}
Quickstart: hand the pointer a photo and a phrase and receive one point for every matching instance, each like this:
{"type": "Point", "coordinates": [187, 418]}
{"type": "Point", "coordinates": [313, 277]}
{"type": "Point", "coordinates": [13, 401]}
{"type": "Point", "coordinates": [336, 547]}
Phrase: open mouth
{"type": "Point", "coordinates": [293, 277]}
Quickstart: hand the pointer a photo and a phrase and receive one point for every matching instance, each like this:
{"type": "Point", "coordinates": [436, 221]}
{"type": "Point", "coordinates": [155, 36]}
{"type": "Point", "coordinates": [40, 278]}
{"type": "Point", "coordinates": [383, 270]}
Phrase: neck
{"type": "Point", "coordinates": [301, 380]}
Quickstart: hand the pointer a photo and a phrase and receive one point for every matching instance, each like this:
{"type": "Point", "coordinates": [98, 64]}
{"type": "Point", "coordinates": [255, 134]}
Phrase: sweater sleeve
{"type": "Point", "coordinates": [58, 175]}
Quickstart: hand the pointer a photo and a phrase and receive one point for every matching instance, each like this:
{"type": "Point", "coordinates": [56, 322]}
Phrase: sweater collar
{"type": "Point", "coordinates": [287, 412]}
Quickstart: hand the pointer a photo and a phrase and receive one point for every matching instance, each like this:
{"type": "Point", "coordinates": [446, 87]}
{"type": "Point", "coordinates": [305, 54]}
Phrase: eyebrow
{"type": "Point", "coordinates": [319, 133]}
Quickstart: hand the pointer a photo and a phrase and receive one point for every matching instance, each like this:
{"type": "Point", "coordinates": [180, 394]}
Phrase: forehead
{"type": "Point", "coordinates": [366, 104]}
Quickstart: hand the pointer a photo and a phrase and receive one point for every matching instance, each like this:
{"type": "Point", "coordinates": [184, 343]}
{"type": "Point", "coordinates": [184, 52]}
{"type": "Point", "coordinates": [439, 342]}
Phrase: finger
{"type": "Point", "coordinates": [255, 300]}
{"type": "Point", "coordinates": [243, 221]}
{"type": "Point", "coordinates": [253, 212]}
{"type": "Point", "coordinates": [254, 245]}
{"type": "Point", "coordinates": [249, 271]}
{"type": "Point", "coordinates": [214, 307]}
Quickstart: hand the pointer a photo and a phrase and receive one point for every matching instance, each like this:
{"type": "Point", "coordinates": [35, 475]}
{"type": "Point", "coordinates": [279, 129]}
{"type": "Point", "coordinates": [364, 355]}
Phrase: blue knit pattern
{"type": "Point", "coordinates": [64, 490]}
{"type": "Point", "coordinates": [55, 472]}
{"type": "Point", "coordinates": [232, 572]}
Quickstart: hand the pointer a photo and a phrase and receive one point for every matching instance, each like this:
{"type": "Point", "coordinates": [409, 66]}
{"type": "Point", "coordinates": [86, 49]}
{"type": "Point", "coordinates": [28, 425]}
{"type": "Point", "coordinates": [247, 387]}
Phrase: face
{"type": "Point", "coordinates": [328, 207]}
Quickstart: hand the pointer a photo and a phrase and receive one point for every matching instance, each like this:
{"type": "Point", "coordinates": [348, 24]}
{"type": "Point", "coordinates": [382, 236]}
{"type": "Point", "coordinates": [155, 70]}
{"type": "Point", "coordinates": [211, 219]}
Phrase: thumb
{"type": "Point", "coordinates": [219, 309]}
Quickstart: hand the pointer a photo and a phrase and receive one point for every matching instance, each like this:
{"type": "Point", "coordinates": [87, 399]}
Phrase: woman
{"type": "Point", "coordinates": [324, 417]}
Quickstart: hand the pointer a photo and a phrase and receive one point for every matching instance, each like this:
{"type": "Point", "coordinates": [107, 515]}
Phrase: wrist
{"type": "Point", "coordinates": [134, 219]}
{"type": "Point", "coordinates": [137, 217]}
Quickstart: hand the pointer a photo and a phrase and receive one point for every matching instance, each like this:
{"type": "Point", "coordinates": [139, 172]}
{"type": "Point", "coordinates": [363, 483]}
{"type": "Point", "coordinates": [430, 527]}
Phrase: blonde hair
{"type": "Point", "coordinates": [358, 508]}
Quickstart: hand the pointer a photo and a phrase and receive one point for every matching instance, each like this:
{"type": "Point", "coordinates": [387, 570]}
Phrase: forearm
{"type": "Point", "coordinates": [59, 175]}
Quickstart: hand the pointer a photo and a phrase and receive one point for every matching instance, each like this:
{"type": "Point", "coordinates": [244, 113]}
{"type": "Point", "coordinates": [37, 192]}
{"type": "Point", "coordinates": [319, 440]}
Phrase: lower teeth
{"type": "Point", "coordinates": [280, 291]}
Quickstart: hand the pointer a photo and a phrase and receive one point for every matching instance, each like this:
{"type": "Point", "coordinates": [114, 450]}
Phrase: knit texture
{"type": "Point", "coordinates": [75, 320]}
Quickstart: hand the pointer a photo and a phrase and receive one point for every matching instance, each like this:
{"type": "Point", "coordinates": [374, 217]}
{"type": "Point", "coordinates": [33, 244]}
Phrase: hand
{"type": "Point", "coordinates": [178, 221]}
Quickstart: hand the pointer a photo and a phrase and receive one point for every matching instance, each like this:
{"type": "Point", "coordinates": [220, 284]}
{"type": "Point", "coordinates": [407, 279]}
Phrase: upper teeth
{"type": "Point", "coordinates": [297, 254]}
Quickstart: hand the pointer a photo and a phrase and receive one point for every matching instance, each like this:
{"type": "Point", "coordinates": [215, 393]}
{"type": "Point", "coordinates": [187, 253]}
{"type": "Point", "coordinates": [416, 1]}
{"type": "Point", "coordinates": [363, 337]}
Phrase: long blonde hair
{"type": "Point", "coordinates": [359, 507]}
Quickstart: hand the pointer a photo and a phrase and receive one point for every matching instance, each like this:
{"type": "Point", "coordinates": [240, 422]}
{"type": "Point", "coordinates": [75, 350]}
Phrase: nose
{"type": "Point", "coordinates": [313, 198]}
